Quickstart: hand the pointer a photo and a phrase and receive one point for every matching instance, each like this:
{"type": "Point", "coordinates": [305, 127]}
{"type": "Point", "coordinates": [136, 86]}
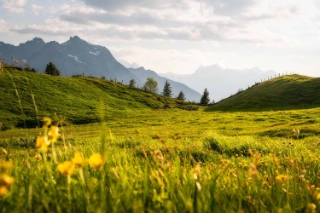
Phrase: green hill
{"type": "Point", "coordinates": [286, 92]}
{"type": "Point", "coordinates": [77, 99]}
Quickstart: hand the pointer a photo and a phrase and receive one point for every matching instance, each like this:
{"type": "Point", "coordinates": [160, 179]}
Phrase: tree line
{"type": "Point", "coordinates": [151, 85]}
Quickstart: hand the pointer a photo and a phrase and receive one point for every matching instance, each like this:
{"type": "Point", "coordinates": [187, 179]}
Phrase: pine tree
{"type": "Point", "coordinates": [167, 91]}
{"type": "Point", "coordinates": [51, 69]}
{"type": "Point", "coordinates": [205, 97]}
{"type": "Point", "coordinates": [181, 96]}
{"type": "Point", "coordinates": [132, 83]}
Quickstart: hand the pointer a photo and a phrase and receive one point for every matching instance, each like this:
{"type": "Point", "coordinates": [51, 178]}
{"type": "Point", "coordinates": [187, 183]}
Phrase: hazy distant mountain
{"type": "Point", "coordinates": [77, 56]}
{"type": "Point", "coordinates": [74, 56]}
{"type": "Point", "coordinates": [221, 83]}
{"type": "Point", "coordinates": [143, 74]}
{"type": "Point", "coordinates": [126, 64]}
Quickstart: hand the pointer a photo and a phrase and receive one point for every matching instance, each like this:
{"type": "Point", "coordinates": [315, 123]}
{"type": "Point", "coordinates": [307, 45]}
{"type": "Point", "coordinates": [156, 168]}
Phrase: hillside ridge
{"type": "Point", "coordinates": [77, 99]}
{"type": "Point", "coordinates": [284, 92]}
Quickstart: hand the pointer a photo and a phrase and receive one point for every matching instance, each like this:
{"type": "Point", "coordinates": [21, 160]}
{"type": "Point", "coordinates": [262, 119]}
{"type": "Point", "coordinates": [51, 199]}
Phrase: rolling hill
{"type": "Point", "coordinates": [285, 92]}
{"type": "Point", "coordinates": [221, 82]}
{"type": "Point", "coordinates": [77, 99]}
{"type": "Point", "coordinates": [77, 56]}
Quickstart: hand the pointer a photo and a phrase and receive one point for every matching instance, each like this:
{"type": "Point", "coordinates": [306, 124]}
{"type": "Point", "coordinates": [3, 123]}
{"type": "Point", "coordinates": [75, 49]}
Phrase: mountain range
{"type": "Point", "coordinates": [221, 83]}
{"type": "Point", "coordinates": [77, 56]}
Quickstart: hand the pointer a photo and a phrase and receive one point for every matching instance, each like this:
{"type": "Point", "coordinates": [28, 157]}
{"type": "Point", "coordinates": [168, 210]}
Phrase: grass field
{"type": "Point", "coordinates": [144, 159]}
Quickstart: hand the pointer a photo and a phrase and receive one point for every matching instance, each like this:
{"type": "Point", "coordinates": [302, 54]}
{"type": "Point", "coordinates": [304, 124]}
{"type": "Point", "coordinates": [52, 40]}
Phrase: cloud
{"type": "Point", "coordinates": [111, 5]}
{"type": "Point", "coordinates": [169, 20]}
{"type": "Point", "coordinates": [222, 7]}
{"type": "Point", "coordinates": [45, 30]}
{"type": "Point", "coordinates": [36, 8]}
{"type": "Point", "coordinates": [3, 26]}
{"type": "Point", "coordinates": [317, 3]}
{"type": "Point", "coordinates": [229, 7]}
{"type": "Point", "coordinates": [14, 6]}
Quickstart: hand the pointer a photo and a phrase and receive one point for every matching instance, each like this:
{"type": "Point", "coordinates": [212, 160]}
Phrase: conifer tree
{"type": "Point", "coordinates": [167, 91]}
{"type": "Point", "coordinates": [51, 69]}
{"type": "Point", "coordinates": [205, 97]}
{"type": "Point", "coordinates": [181, 96]}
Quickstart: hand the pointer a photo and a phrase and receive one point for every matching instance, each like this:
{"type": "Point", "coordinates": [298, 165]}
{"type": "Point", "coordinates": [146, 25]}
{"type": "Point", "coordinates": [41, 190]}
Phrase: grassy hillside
{"type": "Point", "coordinates": [286, 92]}
{"type": "Point", "coordinates": [77, 99]}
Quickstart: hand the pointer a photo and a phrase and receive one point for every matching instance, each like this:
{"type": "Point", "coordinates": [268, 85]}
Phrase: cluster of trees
{"type": "Point", "coordinates": [151, 85]}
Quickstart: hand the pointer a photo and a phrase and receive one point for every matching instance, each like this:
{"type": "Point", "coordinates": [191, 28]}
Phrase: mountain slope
{"type": "Point", "coordinates": [221, 83]}
{"type": "Point", "coordinates": [143, 74]}
{"type": "Point", "coordinates": [77, 56]}
{"type": "Point", "coordinates": [286, 92]}
{"type": "Point", "coordinates": [77, 99]}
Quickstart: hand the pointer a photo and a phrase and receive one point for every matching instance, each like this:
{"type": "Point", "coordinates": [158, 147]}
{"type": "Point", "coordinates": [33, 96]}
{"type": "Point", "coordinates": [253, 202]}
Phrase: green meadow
{"type": "Point", "coordinates": [155, 155]}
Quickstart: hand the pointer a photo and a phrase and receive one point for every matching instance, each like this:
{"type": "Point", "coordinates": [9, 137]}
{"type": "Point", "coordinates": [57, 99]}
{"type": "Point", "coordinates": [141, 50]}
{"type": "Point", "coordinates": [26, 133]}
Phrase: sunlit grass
{"type": "Point", "coordinates": [144, 160]}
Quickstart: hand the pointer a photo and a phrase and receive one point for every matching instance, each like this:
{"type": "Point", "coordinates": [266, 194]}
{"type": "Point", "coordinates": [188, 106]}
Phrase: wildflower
{"type": "Point", "coordinates": [318, 197]}
{"type": "Point", "coordinates": [282, 178]}
{"type": "Point", "coordinates": [53, 133]}
{"type": "Point", "coordinates": [78, 160]}
{"type": "Point", "coordinates": [6, 165]}
{"type": "Point", "coordinates": [311, 208]}
{"type": "Point", "coordinates": [66, 168]}
{"type": "Point", "coordinates": [46, 121]}
{"type": "Point", "coordinates": [95, 161]}
{"type": "Point", "coordinates": [6, 180]}
{"type": "Point", "coordinates": [3, 191]}
{"type": "Point", "coordinates": [38, 156]}
{"type": "Point", "coordinates": [42, 143]}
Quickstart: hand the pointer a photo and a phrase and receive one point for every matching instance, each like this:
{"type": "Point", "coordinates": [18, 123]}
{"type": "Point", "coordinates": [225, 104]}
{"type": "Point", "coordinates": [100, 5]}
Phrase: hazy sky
{"type": "Point", "coordinates": [178, 35]}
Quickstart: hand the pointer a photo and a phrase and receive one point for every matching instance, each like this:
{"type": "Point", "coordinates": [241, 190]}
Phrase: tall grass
{"type": "Point", "coordinates": [246, 174]}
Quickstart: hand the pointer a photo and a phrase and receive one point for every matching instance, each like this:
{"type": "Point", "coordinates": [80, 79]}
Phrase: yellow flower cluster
{"type": "Point", "coordinates": [67, 167]}
{"type": "Point", "coordinates": [5, 180]}
{"type": "Point", "coordinates": [52, 135]}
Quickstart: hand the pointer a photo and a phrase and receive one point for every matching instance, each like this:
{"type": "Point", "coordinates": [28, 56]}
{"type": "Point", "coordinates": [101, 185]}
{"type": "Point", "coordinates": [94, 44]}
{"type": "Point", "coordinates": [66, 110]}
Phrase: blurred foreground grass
{"type": "Point", "coordinates": [169, 161]}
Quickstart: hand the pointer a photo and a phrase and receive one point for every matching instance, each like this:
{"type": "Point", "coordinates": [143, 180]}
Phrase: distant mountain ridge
{"type": "Point", "coordinates": [221, 83]}
{"type": "Point", "coordinates": [77, 56]}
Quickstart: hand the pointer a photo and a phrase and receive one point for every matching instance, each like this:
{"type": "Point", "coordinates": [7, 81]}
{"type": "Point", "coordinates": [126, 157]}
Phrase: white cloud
{"type": "Point", "coordinates": [3, 26]}
{"type": "Point", "coordinates": [36, 8]}
{"type": "Point", "coordinates": [14, 6]}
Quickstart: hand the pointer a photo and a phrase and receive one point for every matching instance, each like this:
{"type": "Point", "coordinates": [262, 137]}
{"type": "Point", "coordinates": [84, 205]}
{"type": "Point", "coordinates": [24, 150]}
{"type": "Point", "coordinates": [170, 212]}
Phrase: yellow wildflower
{"type": "Point", "coordinates": [38, 156]}
{"type": "Point", "coordinates": [46, 121]}
{"type": "Point", "coordinates": [311, 208]}
{"type": "Point", "coordinates": [282, 178]}
{"type": "Point", "coordinates": [6, 180]}
{"type": "Point", "coordinates": [95, 161]}
{"type": "Point", "coordinates": [6, 165]}
{"type": "Point", "coordinates": [3, 191]}
{"type": "Point", "coordinates": [53, 133]}
{"type": "Point", "coordinates": [78, 160]}
{"type": "Point", "coordinates": [66, 168]}
{"type": "Point", "coordinates": [42, 143]}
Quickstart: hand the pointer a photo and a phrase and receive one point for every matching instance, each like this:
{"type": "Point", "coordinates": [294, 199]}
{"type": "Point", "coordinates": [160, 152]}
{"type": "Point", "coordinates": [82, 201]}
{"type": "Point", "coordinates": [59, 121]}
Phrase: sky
{"type": "Point", "coordinates": [178, 36]}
